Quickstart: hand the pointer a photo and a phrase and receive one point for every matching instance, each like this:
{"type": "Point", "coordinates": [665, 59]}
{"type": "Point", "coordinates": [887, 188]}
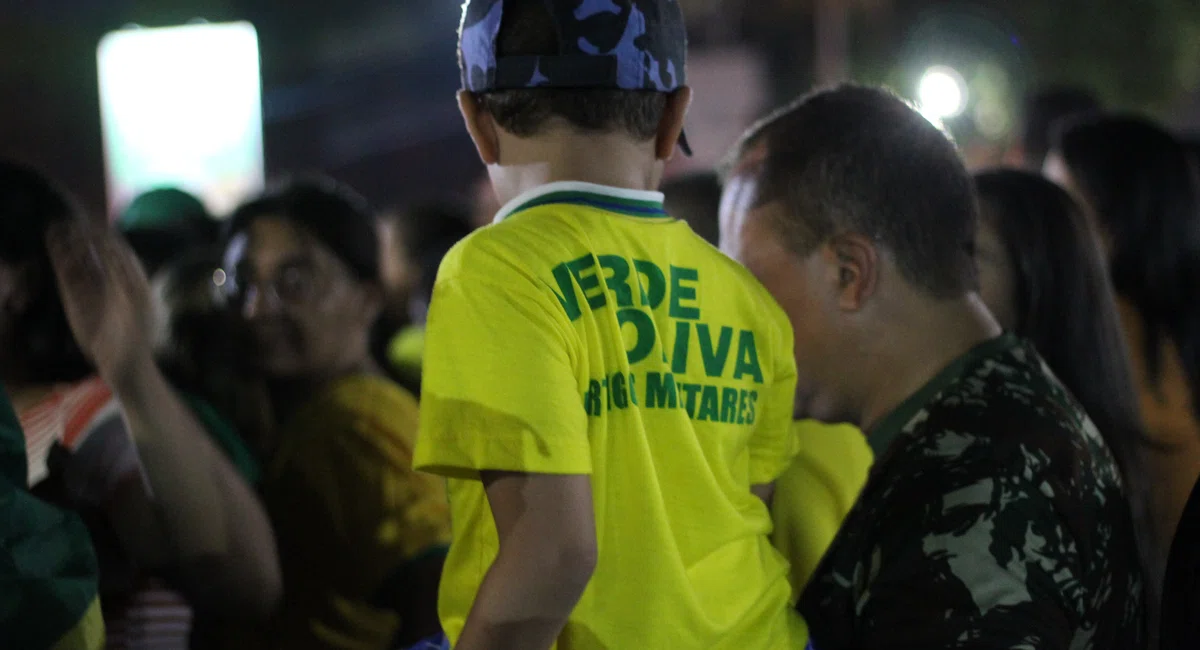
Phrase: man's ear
{"type": "Point", "coordinates": [671, 125]}
{"type": "Point", "coordinates": [481, 126]}
{"type": "Point", "coordinates": [855, 261]}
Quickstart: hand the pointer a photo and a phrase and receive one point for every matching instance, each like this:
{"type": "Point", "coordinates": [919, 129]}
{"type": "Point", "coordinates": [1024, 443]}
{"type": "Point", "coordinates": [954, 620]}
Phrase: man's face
{"type": "Point", "coordinates": [298, 302]}
{"type": "Point", "coordinates": [800, 284]}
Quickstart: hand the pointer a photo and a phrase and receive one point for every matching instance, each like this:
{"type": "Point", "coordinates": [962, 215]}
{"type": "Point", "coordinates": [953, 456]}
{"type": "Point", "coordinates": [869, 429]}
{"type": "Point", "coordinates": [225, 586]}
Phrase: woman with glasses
{"type": "Point", "coordinates": [358, 531]}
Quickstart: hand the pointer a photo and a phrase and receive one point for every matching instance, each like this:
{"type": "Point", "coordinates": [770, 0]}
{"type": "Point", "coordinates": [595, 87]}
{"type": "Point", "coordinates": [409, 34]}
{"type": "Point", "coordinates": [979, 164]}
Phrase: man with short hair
{"type": "Point", "coordinates": [995, 516]}
{"type": "Point", "coordinates": [610, 397]}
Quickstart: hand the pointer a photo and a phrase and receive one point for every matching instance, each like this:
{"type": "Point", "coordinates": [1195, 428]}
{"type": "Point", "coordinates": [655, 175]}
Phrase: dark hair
{"type": "Point", "coordinates": [432, 229]}
{"type": "Point", "coordinates": [336, 215]}
{"type": "Point", "coordinates": [1065, 306]}
{"type": "Point", "coordinates": [41, 336]}
{"type": "Point", "coordinates": [1063, 300]}
{"type": "Point", "coordinates": [696, 198]}
{"type": "Point", "coordinates": [860, 159]}
{"type": "Point", "coordinates": [528, 29]}
{"type": "Point", "coordinates": [159, 248]}
{"type": "Point", "coordinates": [166, 223]}
{"type": "Point", "coordinates": [1047, 108]}
{"type": "Point", "coordinates": [1142, 184]}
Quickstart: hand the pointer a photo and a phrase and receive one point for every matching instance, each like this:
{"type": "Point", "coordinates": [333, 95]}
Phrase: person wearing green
{"type": "Point", "coordinates": [48, 569]}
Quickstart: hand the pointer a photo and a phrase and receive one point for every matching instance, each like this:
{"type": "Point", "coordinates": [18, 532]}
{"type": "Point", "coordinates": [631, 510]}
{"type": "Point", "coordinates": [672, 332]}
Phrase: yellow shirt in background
{"type": "Point", "coordinates": [348, 512]}
{"type": "Point", "coordinates": [88, 633]}
{"type": "Point", "coordinates": [587, 332]}
{"type": "Point", "coordinates": [407, 348]}
{"type": "Point", "coordinates": [814, 494]}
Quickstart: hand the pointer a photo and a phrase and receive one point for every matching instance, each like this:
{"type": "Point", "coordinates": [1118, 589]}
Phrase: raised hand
{"type": "Point", "coordinates": [105, 295]}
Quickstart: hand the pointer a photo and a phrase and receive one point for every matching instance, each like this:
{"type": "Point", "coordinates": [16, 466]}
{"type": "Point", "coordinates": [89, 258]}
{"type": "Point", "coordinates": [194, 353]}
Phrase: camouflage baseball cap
{"type": "Point", "coordinates": [614, 44]}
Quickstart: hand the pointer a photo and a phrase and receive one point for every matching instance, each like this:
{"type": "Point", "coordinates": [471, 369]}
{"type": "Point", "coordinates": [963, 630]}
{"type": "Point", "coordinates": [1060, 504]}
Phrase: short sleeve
{"type": "Point", "coordinates": [500, 390]}
{"type": "Point", "coordinates": [993, 563]}
{"type": "Point", "coordinates": [773, 445]}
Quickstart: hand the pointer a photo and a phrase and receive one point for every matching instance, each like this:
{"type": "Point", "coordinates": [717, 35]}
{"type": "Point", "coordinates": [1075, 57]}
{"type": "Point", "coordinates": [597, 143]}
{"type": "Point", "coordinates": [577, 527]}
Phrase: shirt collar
{"type": "Point", "coordinates": [882, 435]}
{"type": "Point", "coordinates": [631, 203]}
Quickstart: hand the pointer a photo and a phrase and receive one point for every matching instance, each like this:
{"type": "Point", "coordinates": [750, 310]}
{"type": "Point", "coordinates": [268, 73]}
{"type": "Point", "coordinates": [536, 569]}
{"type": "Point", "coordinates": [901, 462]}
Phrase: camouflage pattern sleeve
{"type": "Point", "coordinates": [993, 556]}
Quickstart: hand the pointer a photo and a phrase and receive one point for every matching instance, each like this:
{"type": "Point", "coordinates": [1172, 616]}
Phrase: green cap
{"type": "Point", "coordinates": [162, 207]}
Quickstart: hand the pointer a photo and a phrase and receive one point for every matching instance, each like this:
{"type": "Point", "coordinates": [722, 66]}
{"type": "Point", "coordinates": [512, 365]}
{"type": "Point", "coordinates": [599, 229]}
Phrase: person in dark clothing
{"type": "Point", "coordinates": [995, 515]}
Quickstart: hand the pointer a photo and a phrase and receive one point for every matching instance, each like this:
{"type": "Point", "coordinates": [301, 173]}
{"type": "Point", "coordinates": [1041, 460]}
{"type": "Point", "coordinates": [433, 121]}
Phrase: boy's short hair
{"type": "Point", "coordinates": [528, 29]}
{"type": "Point", "coordinates": [856, 159]}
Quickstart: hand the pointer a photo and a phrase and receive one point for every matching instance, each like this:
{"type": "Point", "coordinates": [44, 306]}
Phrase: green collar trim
{"type": "Point", "coordinates": [629, 203]}
{"type": "Point", "coordinates": [893, 424]}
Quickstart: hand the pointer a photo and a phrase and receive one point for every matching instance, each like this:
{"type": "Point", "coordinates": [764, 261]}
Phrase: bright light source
{"type": "Point", "coordinates": [942, 93]}
{"type": "Point", "coordinates": [181, 106]}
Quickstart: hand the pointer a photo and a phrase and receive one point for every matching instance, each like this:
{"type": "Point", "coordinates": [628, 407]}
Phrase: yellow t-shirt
{"type": "Point", "coordinates": [814, 495]}
{"type": "Point", "coordinates": [349, 512]}
{"type": "Point", "coordinates": [587, 332]}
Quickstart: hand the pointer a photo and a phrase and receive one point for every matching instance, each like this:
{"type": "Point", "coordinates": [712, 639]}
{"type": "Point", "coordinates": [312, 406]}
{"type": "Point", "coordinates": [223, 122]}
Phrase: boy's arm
{"type": "Point", "coordinates": [547, 532]}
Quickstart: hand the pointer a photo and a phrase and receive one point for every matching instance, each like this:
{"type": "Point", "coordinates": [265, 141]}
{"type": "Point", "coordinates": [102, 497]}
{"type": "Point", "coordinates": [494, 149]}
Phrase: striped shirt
{"type": "Point", "coordinates": [151, 617]}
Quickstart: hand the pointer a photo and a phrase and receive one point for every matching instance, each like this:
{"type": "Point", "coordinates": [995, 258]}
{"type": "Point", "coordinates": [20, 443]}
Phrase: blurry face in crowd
{"type": "Point", "coordinates": [799, 284]}
{"type": "Point", "coordinates": [396, 267]}
{"type": "Point", "coordinates": [997, 277]}
{"type": "Point", "coordinates": [302, 308]}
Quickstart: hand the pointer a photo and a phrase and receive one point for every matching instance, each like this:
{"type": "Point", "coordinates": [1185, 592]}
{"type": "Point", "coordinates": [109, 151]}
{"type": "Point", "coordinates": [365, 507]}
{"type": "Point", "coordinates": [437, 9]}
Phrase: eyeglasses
{"type": "Point", "coordinates": [294, 284]}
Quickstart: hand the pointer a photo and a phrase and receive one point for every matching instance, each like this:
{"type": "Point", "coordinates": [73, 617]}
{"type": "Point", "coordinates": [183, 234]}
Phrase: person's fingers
{"type": "Point", "coordinates": [73, 255]}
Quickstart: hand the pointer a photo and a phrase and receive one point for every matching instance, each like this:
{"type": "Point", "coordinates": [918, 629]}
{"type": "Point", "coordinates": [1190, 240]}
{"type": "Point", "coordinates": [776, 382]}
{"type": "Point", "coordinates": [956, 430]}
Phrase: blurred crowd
{"type": "Point", "coordinates": [213, 418]}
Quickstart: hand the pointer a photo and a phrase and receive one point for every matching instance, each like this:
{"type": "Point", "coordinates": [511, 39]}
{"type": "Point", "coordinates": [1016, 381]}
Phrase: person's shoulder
{"type": "Point", "coordinates": [1013, 394]}
{"type": "Point", "coordinates": [364, 416]}
{"type": "Point", "coordinates": [511, 248]}
{"type": "Point", "coordinates": [741, 276]}
{"type": "Point", "coordinates": [1007, 422]}
{"type": "Point", "coordinates": [367, 394]}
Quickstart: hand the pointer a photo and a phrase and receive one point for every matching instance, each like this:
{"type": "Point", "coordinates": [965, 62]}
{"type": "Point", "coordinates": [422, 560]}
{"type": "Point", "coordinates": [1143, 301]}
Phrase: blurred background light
{"type": "Point", "coordinates": [182, 106]}
{"type": "Point", "coordinates": [941, 93]}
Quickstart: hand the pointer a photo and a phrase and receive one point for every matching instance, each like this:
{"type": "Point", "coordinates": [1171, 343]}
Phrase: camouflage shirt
{"type": "Point", "coordinates": [994, 518]}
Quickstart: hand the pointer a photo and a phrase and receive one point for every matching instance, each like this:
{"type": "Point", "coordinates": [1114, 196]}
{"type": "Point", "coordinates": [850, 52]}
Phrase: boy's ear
{"type": "Point", "coordinates": [671, 126]}
{"type": "Point", "coordinates": [481, 126]}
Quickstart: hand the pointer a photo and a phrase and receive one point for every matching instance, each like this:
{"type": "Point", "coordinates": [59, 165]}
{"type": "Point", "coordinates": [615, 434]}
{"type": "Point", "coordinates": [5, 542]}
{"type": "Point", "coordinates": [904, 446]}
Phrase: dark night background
{"type": "Point", "coordinates": [363, 89]}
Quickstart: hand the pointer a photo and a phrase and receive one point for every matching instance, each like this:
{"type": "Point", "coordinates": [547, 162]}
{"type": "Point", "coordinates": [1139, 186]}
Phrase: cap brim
{"type": "Point", "coordinates": [684, 146]}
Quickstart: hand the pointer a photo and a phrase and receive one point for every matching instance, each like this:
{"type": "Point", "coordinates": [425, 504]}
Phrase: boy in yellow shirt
{"type": "Point", "coordinates": [610, 397]}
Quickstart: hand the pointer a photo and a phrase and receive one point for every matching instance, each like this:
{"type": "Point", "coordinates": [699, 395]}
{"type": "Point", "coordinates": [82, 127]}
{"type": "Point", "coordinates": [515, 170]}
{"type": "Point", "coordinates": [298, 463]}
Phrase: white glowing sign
{"type": "Point", "coordinates": [182, 106]}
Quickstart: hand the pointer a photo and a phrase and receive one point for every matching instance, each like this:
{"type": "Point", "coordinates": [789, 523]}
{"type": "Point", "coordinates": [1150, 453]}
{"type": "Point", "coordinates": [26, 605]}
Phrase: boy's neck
{"type": "Point", "coordinates": [605, 159]}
